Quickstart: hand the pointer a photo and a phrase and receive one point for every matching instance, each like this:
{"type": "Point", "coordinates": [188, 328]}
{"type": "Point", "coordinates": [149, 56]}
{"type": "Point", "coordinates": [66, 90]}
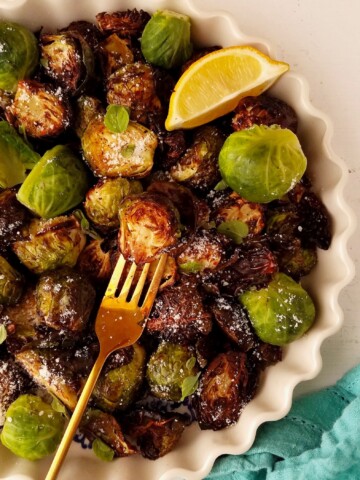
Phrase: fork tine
{"type": "Point", "coordinates": [128, 282]}
{"type": "Point", "coordinates": [154, 285]}
{"type": "Point", "coordinates": [140, 284]}
{"type": "Point", "coordinates": [115, 277]}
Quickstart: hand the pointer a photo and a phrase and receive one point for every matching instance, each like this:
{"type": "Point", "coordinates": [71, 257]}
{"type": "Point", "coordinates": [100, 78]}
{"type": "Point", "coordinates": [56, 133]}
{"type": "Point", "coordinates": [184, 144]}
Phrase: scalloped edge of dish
{"type": "Point", "coordinates": [195, 454]}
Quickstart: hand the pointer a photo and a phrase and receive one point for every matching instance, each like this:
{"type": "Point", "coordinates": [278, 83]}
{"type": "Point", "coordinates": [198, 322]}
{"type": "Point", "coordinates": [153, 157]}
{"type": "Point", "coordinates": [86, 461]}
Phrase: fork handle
{"type": "Point", "coordinates": [76, 418]}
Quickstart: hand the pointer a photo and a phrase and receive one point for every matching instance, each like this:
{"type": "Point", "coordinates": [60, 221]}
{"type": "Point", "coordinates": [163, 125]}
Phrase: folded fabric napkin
{"type": "Point", "coordinates": [319, 439]}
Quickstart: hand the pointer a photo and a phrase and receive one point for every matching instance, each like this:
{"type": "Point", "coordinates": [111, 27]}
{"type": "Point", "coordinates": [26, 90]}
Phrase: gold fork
{"type": "Point", "coordinates": [119, 323]}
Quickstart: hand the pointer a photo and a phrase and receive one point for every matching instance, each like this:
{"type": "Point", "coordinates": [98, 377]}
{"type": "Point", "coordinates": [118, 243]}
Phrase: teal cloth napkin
{"type": "Point", "coordinates": [319, 439]}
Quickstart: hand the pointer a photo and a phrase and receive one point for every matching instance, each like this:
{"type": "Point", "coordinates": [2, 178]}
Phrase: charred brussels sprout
{"type": "Point", "coordinates": [166, 41]}
{"type": "Point", "coordinates": [103, 200]}
{"type": "Point", "coordinates": [129, 23]}
{"type": "Point", "coordinates": [16, 156]}
{"type": "Point", "coordinates": [13, 217]}
{"type": "Point", "coordinates": [149, 223]}
{"type": "Point", "coordinates": [281, 312]}
{"type": "Point", "coordinates": [67, 59]}
{"type": "Point", "coordinates": [19, 54]}
{"type": "Point", "coordinates": [172, 372]}
{"type": "Point", "coordinates": [116, 52]}
{"type": "Point", "coordinates": [117, 388]}
{"type": "Point", "coordinates": [11, 283]}
{"type": "Point", "coordinates": [126, 154]}
{"type": "Point", "coordinates": [198, 167]}
{"type": "Point", "coordinates": [64, 299]}
{"type": "Point", "coordinates": [13, 383]}
{"type": "Point", "coordinates": [86, 109]}
{"type": "Point", "coordinates": [39, 109]}
{"type": "Point", "coordinates": [56, 184]}
{"type": "Point", "coordinates": [262, 163]}
{"type": "Point", "coordinates": [33, 429]}
{"type": "Point", "coordinates": [51, 244]}
{"type": "Point", "coordinates": [95, 261]}
{"type": "Point", "coordinates": [205, 251]}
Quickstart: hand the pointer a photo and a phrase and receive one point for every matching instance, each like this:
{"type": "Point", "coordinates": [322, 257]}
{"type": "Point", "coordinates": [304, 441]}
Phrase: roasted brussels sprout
{"type": "Point", "coordinates": [198, 167]}
{"type": "Point", "coordinates": [51, 244]}
{"type": "Point", "coordinates": [129, 23]}
{"type": "Point", "coordinates": [155, 434]}
{"type": "Point", "coordinates": [205, 251]}
{"type": "Point", "coordinates": [179, 312]}
{"type": "Point", "coordinates": [11, 283]}
{"type": "Point", "coordinates": [86, 108]}
{"type": "Point", "coordinates": [33, 429]}
{"type": "Point", "coordinates": [262, 163]}
{"type": "Point", "coordinates": [13, 383]}
{"type": "Point", "coordinates": [297, 261]}
{"type": "Point", "coordinates": [57, 183]}
{"type": "Point", "coordinates": [39, 109]}
{"type": "Point", "coordinates": [116, 52]}
{"type": "Point", "coordinates": [223, 391]}
{"type": "Point", "coordinates": [166, 41]}
{"type": "Point", "coordinates": [19, 54]}
{"type": "Point", "coordinates": [315, 227]}
{"type": "Point", "coordinates": [67, 59]}
{"type": "Point", "coordinates": [126, 154]}
{"type": "Point", "coordinates": [95, 261]}
{"type": "Point", "coordinates": [98, 425]}
{"type": "Point", "coordinates": [16, 156]}
{"type": "Point", "coordinates": [172, 372]}
{"type": "Point", "coordinates": [13, 217]}
{"type": "Point", "coordinates": [133, 86]}
{"type": "Point", "coordinates": [281, 312]}
{"type": "Point", "coordinates": [64, 299]}
{"type": "Point", "coordinates": [149, 223]}
{"type": "Point", "coordinates": [116, 389]}
{"type": "Point", "coordinates": [264, 110]}
{"type": "Point", "coordinates": [103, 200]}
{"type": "Point", "coordinates": [52, 369]}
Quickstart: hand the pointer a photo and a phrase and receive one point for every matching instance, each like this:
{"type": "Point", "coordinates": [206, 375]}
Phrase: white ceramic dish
{"type": "Point", "coordinates": [194, 456]}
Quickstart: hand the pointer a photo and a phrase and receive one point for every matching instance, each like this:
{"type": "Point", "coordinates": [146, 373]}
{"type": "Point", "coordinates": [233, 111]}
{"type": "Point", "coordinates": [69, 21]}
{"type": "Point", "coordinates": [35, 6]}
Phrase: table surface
{"type": "Point", "coordinates": [321, 40]}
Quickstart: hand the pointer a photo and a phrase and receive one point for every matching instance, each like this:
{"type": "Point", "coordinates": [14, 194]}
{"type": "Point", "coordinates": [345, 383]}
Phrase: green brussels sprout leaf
{"type": "Point", "coordinates": [222, 185]}
{"type": "Point", "coordinates": [19, 54]}
{"type": "Point", "coordinates": [166, 39]}
{"type": "Point", "coordinates": [234, 229]}
{"type": "Point", "coordinates": [102, 451]}
{"type": "Point", "coordinates": [57, 183]}
{"type": "Point", "coordinates": [32, 428]}
{"type": "Point", "coordinates": [117, 119]}
{"type": "Point", "coordinates": [85, 225]}
{"type": "Point", "coordinates": [262, 163]}
{"type": "Point", "coordinates": [16, 156]}
{"type": "Point", "coordinates": [190, 267]}
{"type": "Point", "coordinates": [281, 312]}
{"type": "Point", "coordinates": [189, 386]}
{"type": "Point", "coordinates": [58, 406]}
{"type": "Point", "coordinates": [3, 334]}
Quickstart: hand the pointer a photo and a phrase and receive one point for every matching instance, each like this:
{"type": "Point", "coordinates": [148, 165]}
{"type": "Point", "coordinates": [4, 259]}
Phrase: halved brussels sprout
{"type": "Point", "coordinates": [17, 156]}
{"type": "Point", "coordinates": [11, 283]}
{"type": "Point", "coordinates": [95, 261]}
{"type": "Point", "coordinates": [57, 183]}
{"type": "Point", "coordinates": [166, 39]}
{"type": "Point", "coordinates": [64, 299]}
{"type": "Point", "coordinates": [262, 163]}
{"type": "Point", "coordinates": [204, 251]}
{"type": "Point", "coordinates": [39, 109]}
{"type": "Point", "coordinates": [149, 223]}
{"type": "Point", "coordinates": [129, 23]}
{"type": "Point", "coordinates": [51, 244]}
{"type": "Point", "coordinates": [280, 313]}
{"type": "Point", "coordinates": [116, 52]}
{"type": "Point", "coordinates": [126, 154]}
{"type": "Point", "coordinates": [103, 200]}
{"type": "Point", "coordinates": [13, 383]}
{"type": "Point", "coordinates": [33, 429]}
{"type": "Point", "coordinates": [198, 167]}
{"type": "Point", "coordinates": [117, 388]}
{"type": "Point", "coordinates": [170, 370]}
{"type": "Point", "coordinates": [86, 108]}
{"type": "Point", "coordinates": [19, 54]}
{"type": "Point", "coordinates": [13, 217]}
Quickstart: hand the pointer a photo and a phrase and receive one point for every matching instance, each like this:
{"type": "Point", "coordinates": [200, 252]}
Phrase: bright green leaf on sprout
{"type": "Point", "coordinates": [234, 229]}
{"type": "Point", "coordinates": [102, 451]}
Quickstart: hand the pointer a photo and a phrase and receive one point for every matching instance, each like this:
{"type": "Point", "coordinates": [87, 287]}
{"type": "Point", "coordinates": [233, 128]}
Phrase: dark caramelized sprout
{"type": "Point", "coordinates": [86, 108]}
{"type": "Point", "coordinates": [117, 388]}
{"type": "Point", "coordinates": [13, 217]}
{"type": "Point", "coordinates": [129, 23]}
{"type": "Point", "coordinates": [13, 383]}
{"type": "Point", "coordinates": [149, 223]}
{"type": "Point", "coordinates": [19, 54]}
{"type": "Point", "coordinates": [172, 372]}
{"type": "Point", "coordinates": [51, 244]}
{"type": "Point", "coordinates": [39, 109]}
{"type": "Point", "coordinates": [64, 299]}
{"type": "Point", "coordinates": [95, 261]}
{"type": "Point", "coordinates": [57, 183]}
{"type": "Point", "coordinates": [205, 251]}
{"type": "Point", "coordinates": [126, 154]}
{"type": "Point", "coordinates": [281, 312]}
{"type": "Point", "coordinates": [103, 200]}
{"type": "Point", "coordinates": [33, 429]}
{"type": "Point", "coordinates": [116, 52]}
{"type": "Point", "coordinates": [11, 283]}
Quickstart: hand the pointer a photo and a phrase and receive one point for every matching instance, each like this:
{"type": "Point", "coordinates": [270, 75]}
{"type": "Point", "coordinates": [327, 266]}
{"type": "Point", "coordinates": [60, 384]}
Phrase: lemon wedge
{"type": "Point", "coordinates": [213, 85]}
